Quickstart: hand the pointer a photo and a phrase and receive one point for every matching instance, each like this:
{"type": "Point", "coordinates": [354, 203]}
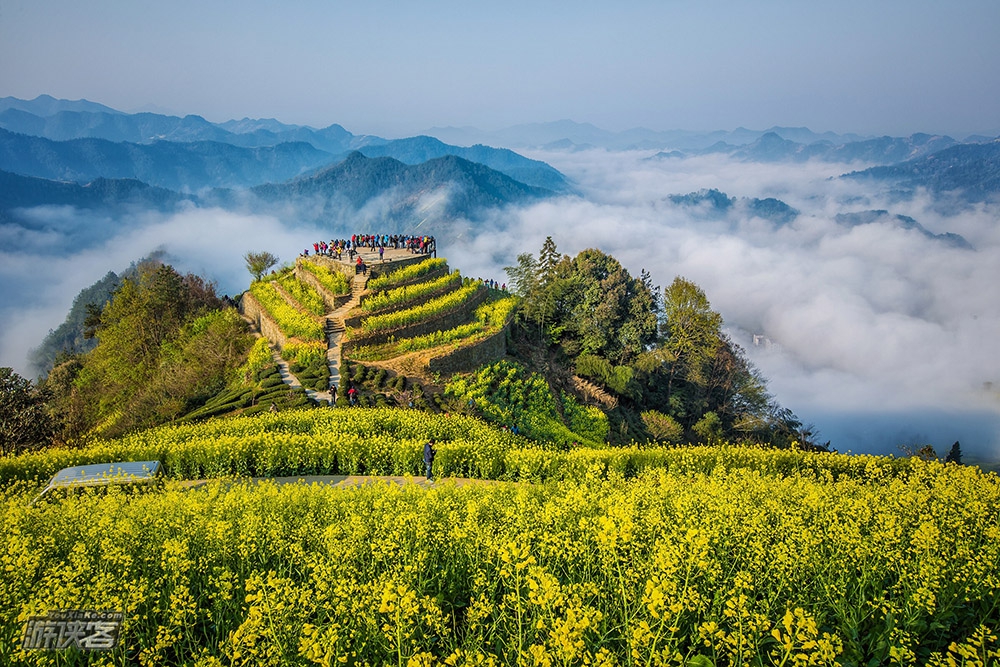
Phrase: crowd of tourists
{"type": "Point", "coordinates": [337, 248]}
{"type": "Point", "coordinates": [492, 284]}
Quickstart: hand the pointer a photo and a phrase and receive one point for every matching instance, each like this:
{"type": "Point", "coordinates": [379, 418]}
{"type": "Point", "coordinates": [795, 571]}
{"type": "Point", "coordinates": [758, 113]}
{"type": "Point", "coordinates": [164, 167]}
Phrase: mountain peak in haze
{"type": "Point", "coordinates": [46, 105]}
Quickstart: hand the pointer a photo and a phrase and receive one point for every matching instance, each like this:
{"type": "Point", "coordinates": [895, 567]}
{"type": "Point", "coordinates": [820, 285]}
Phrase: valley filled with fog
{"type": "Point", "coordinates": [872, 328]}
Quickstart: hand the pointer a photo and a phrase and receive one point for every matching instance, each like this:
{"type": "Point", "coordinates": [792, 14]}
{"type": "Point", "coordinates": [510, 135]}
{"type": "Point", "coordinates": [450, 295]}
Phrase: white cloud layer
{"type": "Point", "coordinates": [861, 323]}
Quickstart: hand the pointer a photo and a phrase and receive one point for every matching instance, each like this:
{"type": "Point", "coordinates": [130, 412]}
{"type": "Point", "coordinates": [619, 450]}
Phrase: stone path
{"type": "Point", "coordinates": [335, 330]}
{"type": "Point", "coordinates": [345, 481]}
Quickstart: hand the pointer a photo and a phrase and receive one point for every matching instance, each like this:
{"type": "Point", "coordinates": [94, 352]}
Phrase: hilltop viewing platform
{"type": "Point", "coordinates": [384, 302]}
{"type": "Point", "coordinates": [390, 260]}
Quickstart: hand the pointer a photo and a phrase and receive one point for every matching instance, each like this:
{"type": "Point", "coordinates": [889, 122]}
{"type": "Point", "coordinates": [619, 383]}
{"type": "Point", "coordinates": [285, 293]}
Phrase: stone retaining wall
{"type": "Point", "coordinates": [354, 321]}
{"type": "Point", "coordinates": [332, 301]}
{"type": "Point", "coordinates": [449, 320]}
{"type": "Point", "coordinates": [376, 269]}
{"type": "Point", "coordinates": [473, 356]}
{"type": "Point", "coordinates": [269, 329]}
{"type": "Point", "coordinates": [430, 275]}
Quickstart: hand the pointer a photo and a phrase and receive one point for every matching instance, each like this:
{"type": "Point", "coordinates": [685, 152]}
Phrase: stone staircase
{"type": "Point", "coordinates": [335, 330]}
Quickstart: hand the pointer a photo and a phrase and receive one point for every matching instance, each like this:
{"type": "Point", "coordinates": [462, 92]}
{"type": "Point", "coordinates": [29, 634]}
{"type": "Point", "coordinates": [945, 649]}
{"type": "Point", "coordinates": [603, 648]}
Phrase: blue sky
{"type": "Point", "coordinates": [888, 67]}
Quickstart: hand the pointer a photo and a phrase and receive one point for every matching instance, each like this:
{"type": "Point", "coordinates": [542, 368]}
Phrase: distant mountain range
{"type": "Point", "coordinates": [772, 147]}
{"type": "Point", "coordinates": [569, 135]}
{"type": "Point", "coordinates": [189, 166]}
{"type": "Point", "coordinates": [88, 156]}
{"type": "Point", "coordinates": [968, 172]}
{"type": "Point", "coordinates": [83, 154]}
{"type": "Point", "coordinates": [191, 153]}
{"type": "Point", "coordinates": [397, 195]}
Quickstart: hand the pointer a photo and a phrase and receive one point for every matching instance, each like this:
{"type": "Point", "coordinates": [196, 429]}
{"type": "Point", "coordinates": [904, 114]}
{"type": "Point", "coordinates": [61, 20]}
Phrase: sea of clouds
{"type": "Point", "coordinates": [876, 335]}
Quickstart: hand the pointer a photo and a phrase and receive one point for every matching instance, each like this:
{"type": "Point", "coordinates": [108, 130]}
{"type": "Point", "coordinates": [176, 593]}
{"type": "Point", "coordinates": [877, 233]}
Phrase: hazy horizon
{"type": "Point", "coordinates": [894, 67]}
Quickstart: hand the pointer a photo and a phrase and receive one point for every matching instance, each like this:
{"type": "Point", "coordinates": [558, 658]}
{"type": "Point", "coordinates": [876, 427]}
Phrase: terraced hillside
{"type": "Point", "coordinates": [409, 317]}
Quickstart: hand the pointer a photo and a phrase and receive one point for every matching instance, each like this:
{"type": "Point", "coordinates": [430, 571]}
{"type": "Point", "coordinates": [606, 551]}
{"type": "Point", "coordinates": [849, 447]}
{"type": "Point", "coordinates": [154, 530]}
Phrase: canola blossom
{"type": "Point", "coordinates": [393, 298]}
{"type": "Point", "coordinates": [426, 310]}
{"type": "Point", "coordinates": [407, 273]}
{"type": "Point", "coordinates": [303, 293]}
{"type": "Point", "coordinates": [735, 566]}
{"type": "Point", "coordinates": [292, 322]}
{"type": "Point", "coordinates": [334, 281]}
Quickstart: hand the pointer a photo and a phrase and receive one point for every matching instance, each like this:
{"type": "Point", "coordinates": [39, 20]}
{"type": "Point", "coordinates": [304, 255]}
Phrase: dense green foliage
{"type": "Point", "coordinates": [660, 353]}
{"type": "Point", "coordinates": [24, 422]}
{"type": "Point", "coordinates": [70, 337]}
{"type": "Point", "coordinates": [165, 345]}
{"type": "Point", "coordinates": [507, 394]}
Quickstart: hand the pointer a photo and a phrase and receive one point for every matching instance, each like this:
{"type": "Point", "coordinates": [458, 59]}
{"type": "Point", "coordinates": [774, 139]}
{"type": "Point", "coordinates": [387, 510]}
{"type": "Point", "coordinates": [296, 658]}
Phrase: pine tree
{"type": "Point", "coordinates": [548, 260]}
{"type": "Point", "coordinates": [954, 454]}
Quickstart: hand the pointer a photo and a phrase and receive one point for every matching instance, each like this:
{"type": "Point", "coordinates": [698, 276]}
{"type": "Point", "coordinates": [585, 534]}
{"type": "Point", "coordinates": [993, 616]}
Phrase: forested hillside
{"type": "Point", "coordinates": [663, 354]}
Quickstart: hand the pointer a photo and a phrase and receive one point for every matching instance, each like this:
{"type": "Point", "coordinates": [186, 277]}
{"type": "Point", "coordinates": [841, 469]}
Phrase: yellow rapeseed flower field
{"type": "Point", "coordinates": [697, 556]}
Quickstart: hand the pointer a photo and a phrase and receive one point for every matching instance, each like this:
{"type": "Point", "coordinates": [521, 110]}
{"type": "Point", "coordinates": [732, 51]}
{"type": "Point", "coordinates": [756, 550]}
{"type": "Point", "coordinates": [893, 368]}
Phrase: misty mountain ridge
{"type": "Point", "coordinates": [71, 121]}
{"type": "Point", "coordinates": [17, 192]}
{"type": "Point", "coordinates": [416, 150]}
{"type": "Point", "coordinates": [882, 216]}
{"type": "Point", "coordinates": [571, 135]}
{"type": "Point", "coordinates": [385, 189]}
{"type": "Point", "coordinates": [34, 211]}
{"type": "Point", "coordinates": [46, 105]}
{"type": "Point", "coordinates": [178, 166]}
{"type": "Point", "coordinates": [715, 204]}
{"type": "Point", "coordinates": [965, 173]}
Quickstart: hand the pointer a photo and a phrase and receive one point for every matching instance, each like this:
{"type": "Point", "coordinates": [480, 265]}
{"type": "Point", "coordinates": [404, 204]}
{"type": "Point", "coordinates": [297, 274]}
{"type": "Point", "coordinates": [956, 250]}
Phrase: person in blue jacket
{"type": "Point", "coordinates": [429, 456]}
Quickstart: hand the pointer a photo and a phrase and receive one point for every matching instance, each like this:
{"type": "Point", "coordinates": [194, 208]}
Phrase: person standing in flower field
{"type": "Point", "coordinates": [429, 456]}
